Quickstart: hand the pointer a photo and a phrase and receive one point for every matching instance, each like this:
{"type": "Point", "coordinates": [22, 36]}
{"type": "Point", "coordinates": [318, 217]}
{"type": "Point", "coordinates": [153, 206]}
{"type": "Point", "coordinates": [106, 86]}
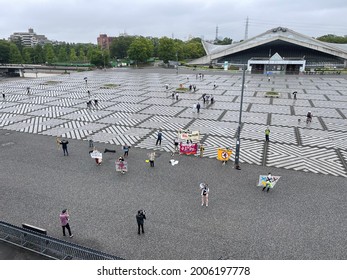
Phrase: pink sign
{"type": "Point", "coordinates": [188, 149]}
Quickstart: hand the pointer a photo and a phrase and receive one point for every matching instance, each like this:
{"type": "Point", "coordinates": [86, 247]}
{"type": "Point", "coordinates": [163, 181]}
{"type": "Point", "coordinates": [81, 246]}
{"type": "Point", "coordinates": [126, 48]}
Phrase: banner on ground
{"type": "Point", "coordinates": [189, 135]}
{"type": "Point", "coordinates": [188, 149]}
{"type": "Point", "coordinates": [121, 166]}
{"type": "Point", "coordinates": [96, 154]}
{"type": "Point", "coordinates": [262, 180]}
{"type": "Point", "coordinates": [224, 154]}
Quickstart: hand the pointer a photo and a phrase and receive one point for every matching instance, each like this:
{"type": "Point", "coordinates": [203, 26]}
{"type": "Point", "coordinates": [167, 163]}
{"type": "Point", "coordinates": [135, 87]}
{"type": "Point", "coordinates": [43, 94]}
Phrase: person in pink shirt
{"type": "Point", "coordinates": [64, 220]}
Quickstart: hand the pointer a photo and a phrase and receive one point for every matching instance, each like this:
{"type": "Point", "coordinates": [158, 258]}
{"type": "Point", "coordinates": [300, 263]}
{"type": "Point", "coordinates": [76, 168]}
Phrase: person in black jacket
{"type": "Point", "coordinates": [140, 217]}
{"type": "Point", "coordinates": [64, 146]}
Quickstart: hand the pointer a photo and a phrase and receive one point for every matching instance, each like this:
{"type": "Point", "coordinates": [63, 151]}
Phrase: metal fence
{"type": "Point", "coordinates": [49, 246]}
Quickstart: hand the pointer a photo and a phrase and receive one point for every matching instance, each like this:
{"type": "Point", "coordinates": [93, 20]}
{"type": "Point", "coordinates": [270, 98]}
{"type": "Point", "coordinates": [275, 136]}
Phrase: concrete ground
{"type": "Point", "coordinates": [303, 217]}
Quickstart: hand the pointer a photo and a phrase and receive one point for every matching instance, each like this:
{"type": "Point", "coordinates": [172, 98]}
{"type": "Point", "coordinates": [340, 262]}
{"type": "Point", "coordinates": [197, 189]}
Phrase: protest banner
{"type": "Point", "coordinates": [223, 154]}
{"type": "Point", "coordinates": [188, 149]}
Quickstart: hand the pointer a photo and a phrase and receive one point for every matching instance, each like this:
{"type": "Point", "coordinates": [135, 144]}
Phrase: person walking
{"type": "Point", "coordinates": [204, 194]}
{"type": "Point", "coordinates": [64, 220]}
{"type": "Point", "coordinates": [198, 107]}
{"type": "Point", "coordinates": [3, 95]}
{"type": "Point", "coordinates": [159, 137]}
{"type": "Point", "coordinates": [202, 149]}
{"type": "Point", "coordinates": [267, 134]}
{"type": "Point", "coordinates": [64, 146]}
{"type": "Point", "coordinates": [140, 219]}
{"type": "Point", "coordinates": [176, 96]}
{"type": "Point", "coordinates": [151, 159]}
{"type": "Point", "coordinates": [126, 150]}
{"type": "Point", "coordinates": [294, 93]}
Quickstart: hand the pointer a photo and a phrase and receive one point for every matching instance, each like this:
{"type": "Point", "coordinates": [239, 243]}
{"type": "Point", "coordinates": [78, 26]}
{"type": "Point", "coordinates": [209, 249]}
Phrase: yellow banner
{"type": "Point", "coordinates": [223, 154]}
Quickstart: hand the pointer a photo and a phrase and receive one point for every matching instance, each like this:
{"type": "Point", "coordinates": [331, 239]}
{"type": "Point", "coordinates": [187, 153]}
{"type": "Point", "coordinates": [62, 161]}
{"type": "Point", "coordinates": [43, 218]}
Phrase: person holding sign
{"type": "Point", "coordinates": [95, 154]}
{"type": "Point", "coordinates": [204, 194]}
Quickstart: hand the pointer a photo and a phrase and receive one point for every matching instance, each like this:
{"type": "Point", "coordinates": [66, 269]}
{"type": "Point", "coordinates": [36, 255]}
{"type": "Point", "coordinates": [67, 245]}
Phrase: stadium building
{"type": "Point", "coordinates": [279, 50]}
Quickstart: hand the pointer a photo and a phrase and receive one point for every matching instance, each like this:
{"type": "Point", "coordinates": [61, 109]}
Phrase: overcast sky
{"type": "Point", "coordinates": [81, 21]}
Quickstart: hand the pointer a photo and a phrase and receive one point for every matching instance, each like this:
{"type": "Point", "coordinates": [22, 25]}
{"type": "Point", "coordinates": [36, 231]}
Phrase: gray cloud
{"type": "Point", "coordinates": [84, 20]}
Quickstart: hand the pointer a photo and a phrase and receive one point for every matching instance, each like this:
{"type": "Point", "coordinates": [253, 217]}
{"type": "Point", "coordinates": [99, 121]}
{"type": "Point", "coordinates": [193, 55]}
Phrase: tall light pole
{"type": "Point", "coordinates": [237, 152]}
{"type": "Point", "coordinates": [177, 63]}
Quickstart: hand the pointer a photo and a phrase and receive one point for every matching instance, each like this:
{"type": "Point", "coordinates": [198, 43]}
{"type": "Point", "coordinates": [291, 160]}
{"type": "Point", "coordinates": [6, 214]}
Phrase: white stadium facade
{"type": "Point", "coordinates": [278, 50]}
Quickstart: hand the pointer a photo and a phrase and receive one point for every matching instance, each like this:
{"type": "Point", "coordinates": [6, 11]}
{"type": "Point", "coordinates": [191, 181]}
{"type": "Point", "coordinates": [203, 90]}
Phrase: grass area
{"type": "Point", "coordinates": [182, 89]}
{"type": "Point", "coordinates": [50, 83]}
{"type": "Point", "coordinates": [272, 94]}
{"type": "Point", "coordinates": [106, 86]}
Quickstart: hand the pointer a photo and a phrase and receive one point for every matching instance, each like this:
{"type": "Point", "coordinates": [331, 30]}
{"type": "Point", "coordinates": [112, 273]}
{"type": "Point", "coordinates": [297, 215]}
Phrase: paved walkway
{"type": "Point", "coordinates": [137, 105]}
{"type": "Point", "coordinates": [303, 217]}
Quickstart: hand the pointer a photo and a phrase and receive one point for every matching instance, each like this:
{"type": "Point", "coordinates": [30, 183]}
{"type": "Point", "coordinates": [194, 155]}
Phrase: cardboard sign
{"type": "Point", "coordinates": [189, 135]}
{"type": "Point", "coordinates": [188, 149]}
{"type": "Point", "coordinates": [96, 154]}
{"type": "Point", "coordinates": [262, 180]}
{"type": "Point", "coordinates": [121, 166]}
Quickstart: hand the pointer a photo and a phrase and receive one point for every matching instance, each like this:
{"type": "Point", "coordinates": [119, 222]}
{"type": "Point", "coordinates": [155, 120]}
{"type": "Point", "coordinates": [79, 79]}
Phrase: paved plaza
{"type": "Point", "coordinates": [303, 217]}
{"type": "Point", "coordinates": [134, 110]}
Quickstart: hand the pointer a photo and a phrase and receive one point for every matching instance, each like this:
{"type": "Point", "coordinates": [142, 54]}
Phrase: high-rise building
{"type": "Point", "coordinates": [29, 39]}
{"type": "Point", "coordinates": [104, 41]}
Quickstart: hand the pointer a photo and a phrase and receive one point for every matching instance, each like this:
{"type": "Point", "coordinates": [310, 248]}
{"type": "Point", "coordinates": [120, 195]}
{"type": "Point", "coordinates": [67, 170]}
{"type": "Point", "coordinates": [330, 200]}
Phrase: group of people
{"type": "Point", "coordinates": [140, 216]}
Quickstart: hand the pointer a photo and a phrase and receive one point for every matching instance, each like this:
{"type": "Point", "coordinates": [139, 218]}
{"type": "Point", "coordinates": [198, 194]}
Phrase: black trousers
{"type": "Point", "coordinates": [68, 229]}
{"type": "Point", "coordinates": [140, 226]}
{"type": "Point", "coordinates": [151, 162]}
{"type": "Point", "coordinates": [65, 151]}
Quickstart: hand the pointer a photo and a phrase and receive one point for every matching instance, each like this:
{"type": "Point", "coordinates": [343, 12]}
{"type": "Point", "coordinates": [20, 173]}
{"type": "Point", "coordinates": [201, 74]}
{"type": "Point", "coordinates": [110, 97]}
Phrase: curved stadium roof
{"type": "Point", "coordinates": [279, 34]}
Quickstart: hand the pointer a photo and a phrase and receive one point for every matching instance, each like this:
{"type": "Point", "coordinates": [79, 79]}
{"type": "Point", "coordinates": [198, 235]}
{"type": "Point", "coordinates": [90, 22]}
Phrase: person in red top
{"type": "Point", "coordinates": [64, 220]}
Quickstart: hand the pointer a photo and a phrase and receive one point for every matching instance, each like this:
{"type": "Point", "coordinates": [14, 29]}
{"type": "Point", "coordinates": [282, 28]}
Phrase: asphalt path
{"type": "Point", "coordinates": [303, 217]}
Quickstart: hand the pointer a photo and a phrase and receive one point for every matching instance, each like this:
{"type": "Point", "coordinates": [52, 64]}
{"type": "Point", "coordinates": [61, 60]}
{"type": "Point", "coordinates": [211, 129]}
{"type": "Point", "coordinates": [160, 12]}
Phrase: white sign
{"type": "Point", "coordinates": [96, 154]}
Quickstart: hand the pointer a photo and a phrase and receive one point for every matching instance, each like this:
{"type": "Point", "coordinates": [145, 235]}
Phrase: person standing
{"type": "Point", "coordinates": [3, 95]}
{"type": "Point", "coordinates": [64, 146]}
{"type": "Point", "coordinates": [267, 134]}
{"type": "Point", "coordinates": [151, 159]}
{"type": "Point", "coordinates": [268, 186]}
{"type": "Point", "coordinates": [126, 150]}
{"type": "Point", "coordinates": [176, 96]}
{"type": "Point", "coordinates": [202, 149]}
{"type": "Point", "coordinates": [198, 107]}
{"type": "Point", "coordinates": [176, 142]}
{"type": "Point", "coordinates": [204, 194]}
{"type": "Point", "coordinates": [159, 137]}
{"type": "Point", "coordinates": [64, 220]}
{"type": "Point", "coordinates": [140, 219]}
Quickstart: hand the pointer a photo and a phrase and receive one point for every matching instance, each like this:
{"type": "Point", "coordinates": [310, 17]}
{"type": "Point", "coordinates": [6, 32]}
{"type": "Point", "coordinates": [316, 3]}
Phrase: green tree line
{"type": "Point", "coordinates": [136, 48]}
{"type": "Point", "coordinates": [330, 38]}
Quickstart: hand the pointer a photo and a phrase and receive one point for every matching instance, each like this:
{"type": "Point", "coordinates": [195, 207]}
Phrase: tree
{"type": "Point", "coordinates": [49, 53]}
{"type": "Point", "coordinates": [15, 55]}
{"type": "Point", "coordinates": [38, 55]}
{"type": "Point", "coordinates": [4, 51]}
{"type": "Point", "coordinates": [166, 49]}
{"type": "Point", "coordinates": [73, 56]}
{"type": "Point", "coordinates": [140, 50]}
{"type": "Point", "coordinates": [194, 49]}
{"type": "Point", "coordinates": [62, 55]}
{"type": "Point", "coordinates": [331, 38]}
{"type": "Point", "coordinates": [28, 54]}
{"type": "Point", "coordinates": [225, 41]}
{"type": "Point", "coordinates": [120, 46]}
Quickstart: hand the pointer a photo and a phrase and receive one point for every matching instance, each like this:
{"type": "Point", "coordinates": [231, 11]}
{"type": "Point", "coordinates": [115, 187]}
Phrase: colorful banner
{"type": "Point", "coordinates": [96, 154]}
{"type": "Point", "coordinates": [189, 135]}
{"type": "Point", "coordinates": [262, 180]}
{"type": "Point", "coordinates": [121, 166]}
{"type": "Point", "coordinates": [188, 149]}
{"type": "Point", "coordinates": [224, 154]}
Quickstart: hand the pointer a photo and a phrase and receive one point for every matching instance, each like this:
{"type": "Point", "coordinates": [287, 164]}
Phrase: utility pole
{"type": "Point", "coordinates": [238, 144]}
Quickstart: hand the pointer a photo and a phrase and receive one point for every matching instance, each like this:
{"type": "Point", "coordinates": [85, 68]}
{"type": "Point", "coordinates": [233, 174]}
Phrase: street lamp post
{"type": "Point", "coordinates": [177, 63]}
{"type": "Point", "coordinates": [237, 152]}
